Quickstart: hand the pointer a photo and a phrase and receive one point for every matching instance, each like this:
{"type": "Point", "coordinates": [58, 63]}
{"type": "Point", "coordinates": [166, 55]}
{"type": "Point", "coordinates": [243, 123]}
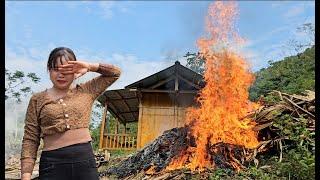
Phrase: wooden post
{"type": "Point", "coordinates": [104, 117]}
{"type": "Point", "coordinates": [139, 122]}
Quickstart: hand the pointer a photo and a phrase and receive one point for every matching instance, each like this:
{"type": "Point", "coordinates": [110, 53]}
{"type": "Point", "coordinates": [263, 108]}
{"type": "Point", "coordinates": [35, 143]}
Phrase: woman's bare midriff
{"type": "Point", "coordinates": [70, 137]}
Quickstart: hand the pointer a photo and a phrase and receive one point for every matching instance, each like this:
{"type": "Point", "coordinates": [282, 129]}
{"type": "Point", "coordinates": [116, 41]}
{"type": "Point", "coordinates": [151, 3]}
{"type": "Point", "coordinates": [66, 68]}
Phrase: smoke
{"type": "Point", "coordinates": [189, 25]}
{"type": "Point", "coordinates": [14, 125]}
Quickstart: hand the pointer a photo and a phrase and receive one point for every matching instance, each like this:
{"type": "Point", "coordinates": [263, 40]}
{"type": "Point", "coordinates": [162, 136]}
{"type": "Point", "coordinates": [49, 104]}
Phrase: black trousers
{"type": "Point", "coordinates": [75, 162]}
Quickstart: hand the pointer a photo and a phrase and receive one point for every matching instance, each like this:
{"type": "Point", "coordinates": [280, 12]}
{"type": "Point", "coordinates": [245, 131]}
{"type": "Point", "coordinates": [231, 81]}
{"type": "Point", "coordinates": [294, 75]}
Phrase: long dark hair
{"type": "Point", "coordinates": [59, 52]}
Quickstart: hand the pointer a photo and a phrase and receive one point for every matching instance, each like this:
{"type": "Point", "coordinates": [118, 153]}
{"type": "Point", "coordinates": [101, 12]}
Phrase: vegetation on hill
{"type": "Point", "coordinates": [292, 75]}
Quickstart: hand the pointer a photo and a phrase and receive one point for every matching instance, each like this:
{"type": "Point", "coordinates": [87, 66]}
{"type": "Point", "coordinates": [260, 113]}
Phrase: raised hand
{"type": "Point", "coordinates": [78, 68]}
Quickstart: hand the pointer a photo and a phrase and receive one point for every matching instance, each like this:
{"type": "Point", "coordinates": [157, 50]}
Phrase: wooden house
{"type": "Point", "coordinates": [157, 102]}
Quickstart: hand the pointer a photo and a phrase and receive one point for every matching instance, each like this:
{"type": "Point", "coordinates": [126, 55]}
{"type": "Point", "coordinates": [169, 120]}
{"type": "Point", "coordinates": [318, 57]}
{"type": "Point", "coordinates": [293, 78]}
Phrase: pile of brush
{"type": "Point", "coordinates": [275, 124]}
{"type": "Point", "coordinates": [279, 122]}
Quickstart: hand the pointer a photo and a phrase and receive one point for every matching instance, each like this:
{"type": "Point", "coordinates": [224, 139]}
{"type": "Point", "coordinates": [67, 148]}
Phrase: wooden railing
{"type": "Point", "coordinates": [119, 141]}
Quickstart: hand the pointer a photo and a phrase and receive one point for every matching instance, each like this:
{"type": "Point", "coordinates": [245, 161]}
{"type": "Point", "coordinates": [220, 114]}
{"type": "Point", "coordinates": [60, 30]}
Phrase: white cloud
{"type": "Point", "coordinates": [267, 36]}
{"type": "Point", "coordinates": [294, 11]}
{"type": "Point", "coordinates": [106, 9]}
{"type": "Point", "coordinates": [34, 59]}
{"type": "Point", "coordinates": [276, 4]}
{"type": "Point", "coordinates": [134, 69]}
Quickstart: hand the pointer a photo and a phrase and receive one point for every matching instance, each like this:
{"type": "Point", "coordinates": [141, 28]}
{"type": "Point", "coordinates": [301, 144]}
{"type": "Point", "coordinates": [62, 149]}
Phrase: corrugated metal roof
{"type": "Point", "coordinates": [122, 103]}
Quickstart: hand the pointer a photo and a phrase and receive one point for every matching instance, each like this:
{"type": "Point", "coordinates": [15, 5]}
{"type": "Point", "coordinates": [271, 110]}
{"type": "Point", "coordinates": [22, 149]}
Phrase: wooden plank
{"type": "Point", "coordinates": [122, 140]}
{"type": "Point", "coordinates": [139, 125]}
{"type": "Point", "coordinates": [117, 141]}
{"type": "Point", "coordinates": [169, 91]}
{"type": "Point", "coordinates": [125, 142]}
{"type": "Point", "coordinates": [103, 125]}
{"type": "Point", "coordinates": [133, 144]}
{"type": "Point", "coordinates": [162, 82]}
{"type": "Point", "coordinates": [176, 83]}
{"type": "Point", "coordinates": [128, 112]}
{"type": "Point", "coordinates": [121, 99]}
{"type": "Point", "coordinates": [128, 140]}
{"type": "Point", "coordinates": [189, 82]}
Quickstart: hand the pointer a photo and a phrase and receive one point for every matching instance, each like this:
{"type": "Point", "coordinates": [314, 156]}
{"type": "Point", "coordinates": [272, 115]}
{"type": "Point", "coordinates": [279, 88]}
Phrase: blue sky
{"type": "Point", "coordinates": [141, 37]}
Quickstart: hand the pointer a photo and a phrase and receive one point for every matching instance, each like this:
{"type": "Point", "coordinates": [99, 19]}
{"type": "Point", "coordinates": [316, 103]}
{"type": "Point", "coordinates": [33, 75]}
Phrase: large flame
{"type": "Point", "coordinates": [224, 101]}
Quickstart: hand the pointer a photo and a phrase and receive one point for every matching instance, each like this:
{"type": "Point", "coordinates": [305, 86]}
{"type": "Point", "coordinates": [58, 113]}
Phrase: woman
{"type": "Point", "coordinates": [60, 116]}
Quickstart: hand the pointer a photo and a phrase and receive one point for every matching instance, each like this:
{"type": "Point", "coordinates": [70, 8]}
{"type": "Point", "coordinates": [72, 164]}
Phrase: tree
{"type": "Point", "coordinates": [196, 62]}
{"type": "Point", "coordinates": [95, 124]}
{"type": "Point", "coordinates": [295, 46]}
{"type": "Point", "coordinates": [17, 84]}
{"type": "Point", "coordinates": [292, 75]}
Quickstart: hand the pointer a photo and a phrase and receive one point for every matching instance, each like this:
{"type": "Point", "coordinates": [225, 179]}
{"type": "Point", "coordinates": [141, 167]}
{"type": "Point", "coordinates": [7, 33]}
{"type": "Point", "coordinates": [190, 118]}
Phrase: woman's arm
{"type": "Point", "coordinates": [109, 74]}
{"type": "Point", "coordinates": [30, 141]}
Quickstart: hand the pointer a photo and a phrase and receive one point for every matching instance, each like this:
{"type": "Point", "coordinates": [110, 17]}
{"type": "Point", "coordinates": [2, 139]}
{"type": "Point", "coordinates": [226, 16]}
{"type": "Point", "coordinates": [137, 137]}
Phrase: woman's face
{"type": "Point", "coordinates": [59, 80]}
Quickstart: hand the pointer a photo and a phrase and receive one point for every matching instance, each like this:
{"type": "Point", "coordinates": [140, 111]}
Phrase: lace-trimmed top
{"type": "Point", "coordinates": [46, 116]}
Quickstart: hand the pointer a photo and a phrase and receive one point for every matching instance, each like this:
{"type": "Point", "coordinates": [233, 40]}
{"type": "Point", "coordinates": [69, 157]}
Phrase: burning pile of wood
{"type": "Point", "coordinates": [152, 160]}
{"type": "Point", "coordinates": [156, 156]}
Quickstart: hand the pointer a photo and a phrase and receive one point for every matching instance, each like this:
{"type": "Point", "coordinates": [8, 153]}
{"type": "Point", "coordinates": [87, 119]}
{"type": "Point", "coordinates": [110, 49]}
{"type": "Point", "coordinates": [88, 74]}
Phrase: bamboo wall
{"type": "Point", "coordinates": [159, 112]}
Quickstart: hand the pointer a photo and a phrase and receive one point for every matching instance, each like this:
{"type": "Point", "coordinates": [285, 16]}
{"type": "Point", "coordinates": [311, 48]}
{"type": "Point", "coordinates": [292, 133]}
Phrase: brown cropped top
{"type": "Point", "coordinates": [46, 117]}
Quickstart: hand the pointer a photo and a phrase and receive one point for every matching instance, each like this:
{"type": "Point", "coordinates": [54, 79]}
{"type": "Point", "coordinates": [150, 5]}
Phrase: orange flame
{"type": "Point", "coordinates": [224, 101]}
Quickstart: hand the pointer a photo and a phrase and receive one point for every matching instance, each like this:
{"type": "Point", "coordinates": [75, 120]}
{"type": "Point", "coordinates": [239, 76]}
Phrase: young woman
{"type": "Point", "coordinates": [60, 116]}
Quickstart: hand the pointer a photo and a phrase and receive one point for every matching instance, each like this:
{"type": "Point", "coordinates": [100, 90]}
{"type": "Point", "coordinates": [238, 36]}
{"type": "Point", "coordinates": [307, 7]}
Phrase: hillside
{"type": "Point", "coordinates": [291, 75]}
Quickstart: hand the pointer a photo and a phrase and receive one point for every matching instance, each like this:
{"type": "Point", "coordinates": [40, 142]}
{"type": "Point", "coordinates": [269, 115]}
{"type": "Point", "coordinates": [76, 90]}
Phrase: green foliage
{"type": "Point", "coordinates": [95, 135]}
{"type": "Point", "coordinates": [220, 174]}
{"type": "Point", "coordinates": [295, 129]}
{"type": "Point", "coordinates": [17, 84]}
{"type": "Point", "coordinates": [298, 163]}
{"type": "Point", "coordinates": [195, 62]}
{"type": "Point", "coordinates": [292, 75]}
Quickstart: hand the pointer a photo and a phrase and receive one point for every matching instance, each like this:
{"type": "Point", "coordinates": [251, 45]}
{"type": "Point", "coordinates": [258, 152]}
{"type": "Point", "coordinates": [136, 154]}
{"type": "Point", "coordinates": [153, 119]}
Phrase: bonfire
{"type": "Point", "coordinates": [222, 132]}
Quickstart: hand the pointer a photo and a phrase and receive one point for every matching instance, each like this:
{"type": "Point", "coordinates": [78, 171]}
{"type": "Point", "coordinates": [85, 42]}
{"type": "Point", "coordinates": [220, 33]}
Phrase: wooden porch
{"type": "Point", "coordinates": [119, 142]}
{"type": "Point", "coordinates": [119, 138]}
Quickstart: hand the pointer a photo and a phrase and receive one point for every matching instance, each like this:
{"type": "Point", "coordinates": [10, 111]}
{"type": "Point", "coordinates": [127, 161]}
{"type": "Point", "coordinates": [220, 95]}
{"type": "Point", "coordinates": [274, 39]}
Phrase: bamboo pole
{"type": "Point", "coordinates": [104, 117]}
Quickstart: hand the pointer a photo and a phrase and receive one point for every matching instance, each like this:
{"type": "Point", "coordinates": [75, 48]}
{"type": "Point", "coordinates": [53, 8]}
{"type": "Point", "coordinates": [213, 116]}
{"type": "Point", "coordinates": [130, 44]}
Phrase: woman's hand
{"type": "Point", "coordinates": [78, 68]}
{"type": "Point", "coordinates": [26, 176]}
